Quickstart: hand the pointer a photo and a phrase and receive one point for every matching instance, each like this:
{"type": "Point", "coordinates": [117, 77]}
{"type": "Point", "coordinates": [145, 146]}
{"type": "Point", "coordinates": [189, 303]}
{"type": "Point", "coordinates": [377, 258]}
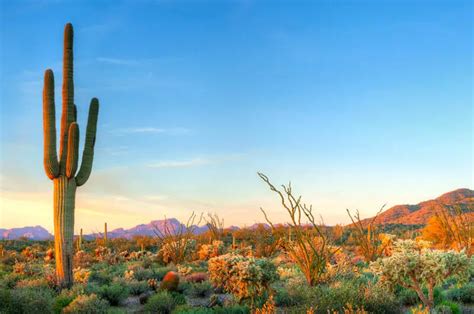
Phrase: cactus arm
{"type": "Point", "coordinates": [72, 150]}
{"type": "Point", "coordinates": [88, 154]}
{"type": "Point", "coordinates": [68, 95]}
{"type": "Point", "coordinates": [51, 165]}
{"type": "Point", "coordinates": [74, 113]}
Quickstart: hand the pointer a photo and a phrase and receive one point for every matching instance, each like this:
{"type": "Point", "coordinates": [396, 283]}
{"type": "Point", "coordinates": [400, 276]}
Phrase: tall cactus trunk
{"type": "Point", "coordinates": [64, 172]}
{"type": "Point", "coordinates": [64, 203]}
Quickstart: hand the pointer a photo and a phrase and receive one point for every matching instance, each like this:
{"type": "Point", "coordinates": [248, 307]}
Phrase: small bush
{"type": "Point", "coordinates": [448, 307]}
{"type": "Point", "coordinates": [61, 301]}
{"type": "Point", "coordinates": [467, 293]}
{"type": "Point", "coordinates": [285, 297]}
{"type": "Point", "coordinates": [26, 300]}
{"type": "Point", "coordinates": [199, 289]}
{"type": "Point", "coordinates": [408, 297]}
{"type": "Point", "coordinates": [138, 287]}
{"type": "Point", "coordinates": [114, 293]}
{"type": "Point", "coordinates": [235, 309]}
{"type": "Point", "coordinates": [162, 302]}
{"type": "Point", "coordinates": [159, 273]}
{"type": "Point", "coordinates": [87, 304]}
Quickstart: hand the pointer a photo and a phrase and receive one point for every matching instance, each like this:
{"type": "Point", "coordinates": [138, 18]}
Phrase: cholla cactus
{"type": "Point", "coordinates": [414, 266]}
{"type": "Point", "coordinates": [81, 275]}
{"type": "Point", "coordinates": [244, 277]}
{"type": "Point", "coordinates": [63, 171]}
{"type": "Point", "coordinates": [207, 251]}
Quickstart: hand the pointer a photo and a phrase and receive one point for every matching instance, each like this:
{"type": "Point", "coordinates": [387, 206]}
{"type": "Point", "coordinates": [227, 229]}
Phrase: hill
{"type": "Point", "coordinates": [422, 212]}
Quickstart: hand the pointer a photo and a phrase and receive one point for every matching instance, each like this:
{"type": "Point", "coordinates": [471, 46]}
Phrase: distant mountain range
{"type": "Point", "coordinates": [399, 214]}
{"type": "Point", "coordinates": [422, 212]}
{"type": "Point", "coordinates": [33, 233]}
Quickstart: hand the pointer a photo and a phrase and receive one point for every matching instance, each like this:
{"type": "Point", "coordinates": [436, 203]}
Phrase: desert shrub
{"type": "Point", "coordinates": [113, 293]}
{"type": "Point", "coordinates": [62, 301]}
{"type": "Point", "coordinates": [10, 280]}
{"type": "Point", "coordinates": [160, 272]}
{"type": "Point", "coordinates": [100, 277]}
{"type": "Point", "coordinates": [448, 307]}
{"type": "Point", "coordinates": [379, 300]}
{"type": "Point", "coordinates": [81, 275]}
{"type": "Point", "coordinates": [207, 251]}
{"type": "Point", "coordinates": [137, 287]}
{"type": "Point", "coordinates": [285, 297]}
{"type": "Point", "coordinates": [335, 298]}
{"type": "Point", "coordinates": [467, 293]}
{"type": "Point", "coordinates": [177, 251]}
{"type": "Point", "coordinates": [32, 283]}
{"type": "Point", "coordinates": [6, 301]}
{"type": "Point", "coordinates": [197, 277]}
{"type": "Point", "coordinates": [87, 304]}
{"type": "Point", "coordinates": [413, 266]}
{"type": "Point", "coordinates": [163, 302]}
{"type": "Point", "coordinates": [244, 277]}
{"type": "Point", "coordinates": [309, 248]}
{"type": "Point", "coordinates": [199, 289]}
{"type": "Point", "coordinates": [170, 282]}
{"type": "Point", "coordinates": [143, 274]}
{"type": "Point", "coordinates": [235, 309]}
{"type": "Point", "coordinates": [26, 300]}
{"type": "Point", "coordinates": [408, 297]}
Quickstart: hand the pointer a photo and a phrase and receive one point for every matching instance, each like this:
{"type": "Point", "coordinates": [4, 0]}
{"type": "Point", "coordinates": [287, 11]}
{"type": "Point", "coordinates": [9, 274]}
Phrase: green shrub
{"type": "Point", "coordinates": [448, 307]}
{"type": "Point", "coordinates": [408, 297]}
{"type": "Point", "coordinates": [10, 280]}
{"type": "Point", "coordinates": [378, 300]}
{"type": "Point", "coordinates": [163, 302]}
{"type": "Point", "coordinates": [467, 293]}
{"type": "Point", "coordinates": [101, 277]}
{"type": "Point", "coordinates": [286, 297]}
{"type": "Point", "coordinates": [159, 273]}
{"type": "Point", "coordinates": [235, 309]}
{"type": "Point", "coordinates": [113, 293]}
{"type": "Point", "coordinates": [179, 299]}
{"type": "Point", "coordinates": [137, 287]}
{"type": "Point", "coordinates": [6, 301]}
{"type": "Point", "coordinates": [199, 289]}
{"type": "Point", "coordinates": [26, 300]}
{"type": "Point", "coordinates": [62, 301]}
{"type": "Point", "coordinates": [87, 304]}
{"type": "Point", "coordinates": [143, 274]}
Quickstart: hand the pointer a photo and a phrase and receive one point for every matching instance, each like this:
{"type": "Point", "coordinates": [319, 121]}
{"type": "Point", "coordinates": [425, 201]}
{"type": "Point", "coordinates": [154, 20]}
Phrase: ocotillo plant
{"type": "Point", "coordinates": [63, 171]}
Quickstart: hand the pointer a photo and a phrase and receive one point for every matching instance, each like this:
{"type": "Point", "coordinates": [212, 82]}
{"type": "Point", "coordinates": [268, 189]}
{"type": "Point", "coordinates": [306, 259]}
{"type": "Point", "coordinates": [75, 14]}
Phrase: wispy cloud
{"type": "Point", "coordinates": [194, 162]}
{"type": "Point", "coordinates": [152, 130]}
{"type": "Point", "coordinates": [180, 163]}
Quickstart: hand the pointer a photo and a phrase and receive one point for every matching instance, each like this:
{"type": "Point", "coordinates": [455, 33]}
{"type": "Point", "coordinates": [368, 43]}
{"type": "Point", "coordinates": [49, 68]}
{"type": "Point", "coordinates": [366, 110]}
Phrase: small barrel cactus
{"type": "Point", "coordinates": [170, 281]}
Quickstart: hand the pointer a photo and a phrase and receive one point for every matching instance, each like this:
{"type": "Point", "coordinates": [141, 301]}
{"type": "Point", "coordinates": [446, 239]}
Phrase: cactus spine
{"type": "Point", "coordinates": [63, 171]}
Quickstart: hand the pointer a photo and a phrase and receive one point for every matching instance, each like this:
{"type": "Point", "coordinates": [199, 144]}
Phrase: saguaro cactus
{"type": "Point", "coordinates": [63, 171]}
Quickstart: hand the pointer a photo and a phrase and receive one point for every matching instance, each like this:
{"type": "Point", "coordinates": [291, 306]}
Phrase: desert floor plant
{"type": "Point", "coordinates": [63, 171]}
{"type": "Point", "coordinates": [415, 267]}
{"type": "Point", "coordinates": [177, 243]}
{"type": "Point", "coordinates": [371, 243]}
{"type": "Point", "coordinates": [309, 247]}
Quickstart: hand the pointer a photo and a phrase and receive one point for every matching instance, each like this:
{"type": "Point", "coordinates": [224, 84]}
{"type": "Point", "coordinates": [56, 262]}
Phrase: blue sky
{"type": "Point", "coordinates": [358, 103]}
